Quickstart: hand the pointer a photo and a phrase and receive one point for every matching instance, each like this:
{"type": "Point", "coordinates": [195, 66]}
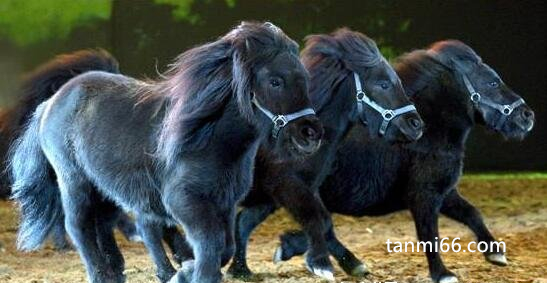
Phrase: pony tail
{"type": "Point", "coordinates": [34, 188]}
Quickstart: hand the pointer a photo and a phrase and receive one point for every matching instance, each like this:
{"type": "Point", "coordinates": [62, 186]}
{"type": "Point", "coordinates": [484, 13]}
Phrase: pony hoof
{"type": "Point", "coordinates": [239, 272]}
{"type": "Point", "coordinates": [326, 274]}
{"type": "Point", "coordinates": [360, 271]}
{"type": "Point", "coordinates": [135, 238]}
{"type": "Point", "coordinates": [187, 267]}
{"type": "Point", "coordinates": [184, 275]}
{"type": "Point", "coordinates": [448, 279]}
{"type": "Point", "coordinates": [497, 259]}
{"type": "Point", "coordinates": [278, 255]}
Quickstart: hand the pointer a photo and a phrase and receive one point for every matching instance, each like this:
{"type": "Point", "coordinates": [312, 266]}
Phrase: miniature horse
{"type": "Point", "coordinates": [37, 87]}
{"type": "Point", "coordinates": [179, 150]}
{"type": "Point", "coordinates": [453, 90]}
{"type": "Point", "coordinates": [351, 84]}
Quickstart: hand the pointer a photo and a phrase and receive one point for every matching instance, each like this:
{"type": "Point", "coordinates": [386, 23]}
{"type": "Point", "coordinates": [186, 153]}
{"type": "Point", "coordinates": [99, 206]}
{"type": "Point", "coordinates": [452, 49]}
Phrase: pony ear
{"type": "Point", "coordinates": [241, 85]}
{"type": "Point", "coordinates": [273, 27]}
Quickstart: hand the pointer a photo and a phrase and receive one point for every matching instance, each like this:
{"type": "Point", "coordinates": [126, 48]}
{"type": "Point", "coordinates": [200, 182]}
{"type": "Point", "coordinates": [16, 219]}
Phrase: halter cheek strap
{"type": "Point", "coordinates": [281, 120]}
{"type": "Point", "coordinates": [387, 114]}
{"type": "Point", "coordinates": [504, 109]}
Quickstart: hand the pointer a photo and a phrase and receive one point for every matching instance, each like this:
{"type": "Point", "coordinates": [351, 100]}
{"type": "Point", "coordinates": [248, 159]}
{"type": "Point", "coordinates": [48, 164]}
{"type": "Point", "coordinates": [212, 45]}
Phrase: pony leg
{"type": "Point", "coordinates": [59, 236]}
{"type": "Point", "coordinates": [152, 240]}
{"type": "Point", "coordinates": [459, 209]}
{"type": "Point", "coordinates": [229, 245]}
{"type": "Point", "coordinates": [105, 222]}
{"type": "Point", "coordinates": [247, 220]}
{"type": "Point", "coordinates": [294, 243]}
{"type": "Point", "coordinates": [308, 210]}
{"type": "Point", "coordinates": [128, 228]}
{"type": "Point", "coordinates": [79, 198]}
{"type": "Point", "coordinates": [345, 258]}
{"type": "Point", "coordinates": [178, 245]}
{"type": "Point", "coordinates": [205, 227]}
{"type": "Point", "coordinates": [424, 205]}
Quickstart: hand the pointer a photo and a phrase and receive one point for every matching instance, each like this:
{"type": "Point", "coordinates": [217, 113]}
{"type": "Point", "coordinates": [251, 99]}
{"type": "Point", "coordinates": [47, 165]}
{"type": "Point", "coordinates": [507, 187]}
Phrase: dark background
{"type": "Point", "coordinates": [146, 34]}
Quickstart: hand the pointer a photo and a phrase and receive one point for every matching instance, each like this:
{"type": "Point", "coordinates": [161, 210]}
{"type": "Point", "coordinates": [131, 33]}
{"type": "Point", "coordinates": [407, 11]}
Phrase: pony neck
{"type": "Point", "coordinates": [337, 116]}
{"type": "Point", "coordinates": [446, 114]}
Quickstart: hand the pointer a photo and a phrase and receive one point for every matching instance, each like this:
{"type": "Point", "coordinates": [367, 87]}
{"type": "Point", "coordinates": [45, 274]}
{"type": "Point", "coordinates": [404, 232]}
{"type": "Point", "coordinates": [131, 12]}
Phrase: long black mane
{"type": "Point", "coordinates": [202, 80]}
{"type": "Point", "coordinates": [426, 67]}
{"type": "Point", "coordinates": [331, 58]}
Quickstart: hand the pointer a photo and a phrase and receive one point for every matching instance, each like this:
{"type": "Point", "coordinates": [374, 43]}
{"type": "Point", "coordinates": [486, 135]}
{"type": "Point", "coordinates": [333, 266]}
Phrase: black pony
{"type": "Point", "coordinates": [453, 90]}
{"type": "Point", "coordinates": [179, 150]}
{"type": "Point", "coordinates": [37, 87]}
{"type": "Point", "coordinates": [351, 84]}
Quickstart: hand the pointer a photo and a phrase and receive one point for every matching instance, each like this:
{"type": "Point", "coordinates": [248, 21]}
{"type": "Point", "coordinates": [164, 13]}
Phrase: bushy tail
{"type": "Point", "coordinates": [34, 183]}
{"type": "Point", "coordinates": [34, 187]}
{"type": "Point", "coordinates": [38, 86]}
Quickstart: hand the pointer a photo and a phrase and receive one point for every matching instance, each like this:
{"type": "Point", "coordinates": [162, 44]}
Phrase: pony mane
{"type": "Point", "coordinates": [202, 80]}
{"type": "Point", "coordinates": [419, 69]}
{"type": "Point", "coordinates": [422, 68]}
{"type": "Point", "coordinates": [451, 50]}
{"type": "Point", "coordinates": [331, 58]}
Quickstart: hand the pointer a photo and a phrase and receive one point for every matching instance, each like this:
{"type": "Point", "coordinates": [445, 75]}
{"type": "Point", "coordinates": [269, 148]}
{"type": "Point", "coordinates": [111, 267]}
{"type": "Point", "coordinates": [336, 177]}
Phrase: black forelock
{"type": "Point", "coordinates": [453, 51]}
{"type": "Point", "coordinates": [330, 58]}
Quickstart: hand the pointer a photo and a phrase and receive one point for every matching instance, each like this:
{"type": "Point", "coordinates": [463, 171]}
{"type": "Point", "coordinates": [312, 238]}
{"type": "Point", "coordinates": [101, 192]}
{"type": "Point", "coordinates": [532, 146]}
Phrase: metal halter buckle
{"type": "Point", "coordinates": [388, 114]}
{"type": "Point", "coordinates": [507, 110]}
{"type": "Point", "coordinates": [475, 97]}
{"type": "Point", "coordinates": [280, 121]}
{"type": "Point", "coordinates": [360, 95]}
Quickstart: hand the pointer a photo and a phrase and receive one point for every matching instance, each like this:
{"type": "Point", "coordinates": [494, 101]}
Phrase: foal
{"type": "Point", "coordinates": [453, 90]}
{"type": "Point", "coordinates": [37, 87]}
{"type": "Point", "coordinates": [351, 84]}
{"type": "Point", "coordinates": [179, 150]}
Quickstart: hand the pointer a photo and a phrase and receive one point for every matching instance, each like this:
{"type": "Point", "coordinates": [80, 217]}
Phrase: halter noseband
{"type": "Point", "coordinates": [281, 120]}
{"type": "Point", "coordinates": [504, 109]}
{"type": "Point", "coordinates": [387, 114]}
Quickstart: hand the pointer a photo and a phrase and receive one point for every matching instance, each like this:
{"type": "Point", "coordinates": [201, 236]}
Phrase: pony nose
{"type": "Point", "coordinates": [309, 133]}
{"type": "Point", "coordinates": [415, 123]}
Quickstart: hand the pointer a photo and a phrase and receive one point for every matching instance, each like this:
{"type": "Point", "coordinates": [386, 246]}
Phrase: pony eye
{"type": "Point", "coordinates": [494, 84]}
{"type": "Point", "coordinates": [275, 83]}
{"type": "Point", "coordinates": [383, 85]}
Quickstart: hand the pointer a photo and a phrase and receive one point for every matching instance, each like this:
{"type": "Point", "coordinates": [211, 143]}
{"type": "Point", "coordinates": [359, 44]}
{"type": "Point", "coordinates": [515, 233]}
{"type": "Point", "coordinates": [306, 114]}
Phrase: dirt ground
{"type": "Point", "coordinates": [514, 209]}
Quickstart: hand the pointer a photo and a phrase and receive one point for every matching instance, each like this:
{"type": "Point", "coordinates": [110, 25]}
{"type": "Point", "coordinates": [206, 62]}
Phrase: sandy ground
{"type": "Point", "coordinates": [515, 210]}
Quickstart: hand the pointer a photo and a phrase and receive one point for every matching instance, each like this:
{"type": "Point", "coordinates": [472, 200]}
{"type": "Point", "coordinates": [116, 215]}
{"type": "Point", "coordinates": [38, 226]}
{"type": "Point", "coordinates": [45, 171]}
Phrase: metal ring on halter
{"type": "Point", "coordinates": [507, 110]}
{"type": "Point", "coordinates": [388, 114]}
{"type": "Point", "coordinates": [360, 95]}
{"type": "Point", "coordinates": [475, 97]}
{"type": "Point", "coordinates": [280, 121]}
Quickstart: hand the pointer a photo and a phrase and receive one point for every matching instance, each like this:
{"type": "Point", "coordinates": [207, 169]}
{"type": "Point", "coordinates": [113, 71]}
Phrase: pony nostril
{"type": "Point", "coordinates": [415, 123]}
{"type": "Point", "coordinates": [527, 114]}
{"type": "Point", "coordinates": [310, 133]}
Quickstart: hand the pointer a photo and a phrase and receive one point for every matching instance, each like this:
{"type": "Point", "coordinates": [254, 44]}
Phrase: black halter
{"type": "Point", "coordinates": [504, 109]}
{"type": "Point", "coordinates": [281, 120]}
{"type": "Point", "coordinates": [387, 114]}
